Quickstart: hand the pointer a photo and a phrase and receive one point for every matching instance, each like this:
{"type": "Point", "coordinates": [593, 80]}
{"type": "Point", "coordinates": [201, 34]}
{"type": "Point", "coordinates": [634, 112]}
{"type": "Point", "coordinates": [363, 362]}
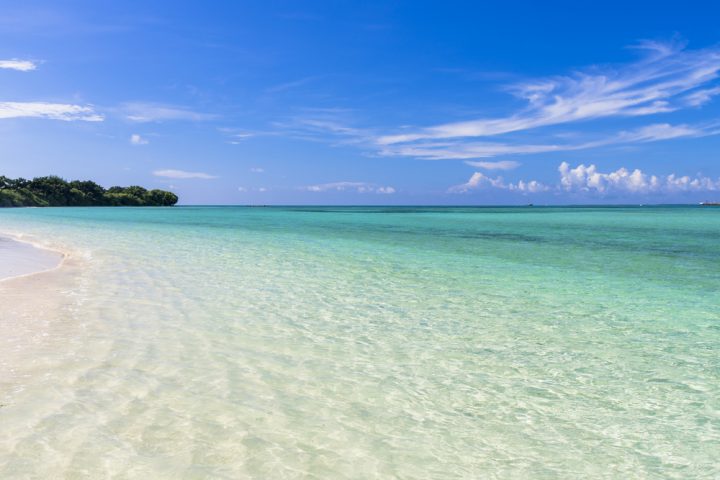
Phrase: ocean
{"type": "Point", "coordinates": [364, 342]}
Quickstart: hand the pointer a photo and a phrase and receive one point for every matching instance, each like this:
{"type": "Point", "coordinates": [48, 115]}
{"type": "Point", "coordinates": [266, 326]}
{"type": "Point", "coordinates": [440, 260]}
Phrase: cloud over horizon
{"type": "Point", "coordinates": [359, 187]}
{"type": "Point", "coordinates": [589, 179]}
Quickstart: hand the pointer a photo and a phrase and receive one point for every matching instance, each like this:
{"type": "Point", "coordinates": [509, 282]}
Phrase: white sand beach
{"type": "Point", "coordinates": [19, 258]}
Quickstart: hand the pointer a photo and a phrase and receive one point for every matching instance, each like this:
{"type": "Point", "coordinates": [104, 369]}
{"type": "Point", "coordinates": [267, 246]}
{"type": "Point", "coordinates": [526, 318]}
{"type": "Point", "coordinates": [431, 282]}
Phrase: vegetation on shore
{"type": "Point", "coordinates": [56, 192]}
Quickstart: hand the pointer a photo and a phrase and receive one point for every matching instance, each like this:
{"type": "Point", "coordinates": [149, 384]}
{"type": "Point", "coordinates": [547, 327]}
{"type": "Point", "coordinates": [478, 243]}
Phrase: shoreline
{"type": "Point", "coordinates": [21, 258]}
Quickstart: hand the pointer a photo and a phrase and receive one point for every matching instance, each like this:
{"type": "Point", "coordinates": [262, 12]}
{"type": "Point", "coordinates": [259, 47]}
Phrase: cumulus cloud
{"type": "Point", "coordinates": [479, 180]}
{"type": "Point", "coordinates": [136, 139]}
{"type": "Point", "coordinates": [52, 111]}
{"type": "Point", "coordinates": [502, 165]}
{"type": "Point", "coordinates": [182, 174]}
{"type": "Point", "coordinates": [155, 112]}
{"type": "Point", "coordinates": [589, 179]}
{"type": "Point", "coordinates": [360, 187]}
{"type": "Point", "coordinates": [19, 65]}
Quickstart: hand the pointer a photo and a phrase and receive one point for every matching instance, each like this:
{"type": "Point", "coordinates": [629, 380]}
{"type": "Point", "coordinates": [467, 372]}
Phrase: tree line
{"type": "Point", "coordinates": [54, 191]}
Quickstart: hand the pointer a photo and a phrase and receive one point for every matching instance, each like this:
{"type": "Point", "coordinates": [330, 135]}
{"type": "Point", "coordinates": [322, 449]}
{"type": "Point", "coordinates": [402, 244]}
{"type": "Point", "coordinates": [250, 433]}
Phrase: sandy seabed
{"type": "Point", "coordinates": [32, 307]}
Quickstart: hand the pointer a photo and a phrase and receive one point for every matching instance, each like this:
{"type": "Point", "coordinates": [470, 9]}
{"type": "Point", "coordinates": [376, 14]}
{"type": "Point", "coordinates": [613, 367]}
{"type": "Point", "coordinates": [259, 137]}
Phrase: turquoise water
{"type": "Point", "coordinates": [368, 343]}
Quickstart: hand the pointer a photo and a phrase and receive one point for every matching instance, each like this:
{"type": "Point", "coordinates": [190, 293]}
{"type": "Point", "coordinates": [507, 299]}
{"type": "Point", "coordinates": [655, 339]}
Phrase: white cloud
{"type": "Point", "coordinates": [136, 139]}
{"type": "Point", "coordinates": [52, 111]}
{"type": "Point", "coordinates": [257, 170]}
{"type": "Point", "coordinates": [589, 179]}
{"type": "Point", "coordinates": [502, 165]}
{"type": "Point", "coordinates": [182, 174]}
{"type": "Point", "coordinates": [659, 131]}
{"type": "Point", "coordinates": [462, 151]}
{"type": "Point", "coordinates": [359, 187]}
{"type": "Point", "coordinates": [154, 112]}
{"type": "Point", "coordinates": [479, 180]}
{"type": "Point", "coordinates": [701, 97]}
{"type": "Point", "coordinates": [666, 78]}
{"type": "Point", "coordinates": [20, 65]}
{"type": "Point", "coordinates": [237, 136]}
{"type": "Point", "coordinates": [649, 86]}
{"type": "Point", "coordinates": [321, 124]}
{"type": "Point", "coordinates": [329, 125]}
{"type": "Point", "coordinates": [242, 189]}
{"type": "Point", "coordinates": [484, 149]}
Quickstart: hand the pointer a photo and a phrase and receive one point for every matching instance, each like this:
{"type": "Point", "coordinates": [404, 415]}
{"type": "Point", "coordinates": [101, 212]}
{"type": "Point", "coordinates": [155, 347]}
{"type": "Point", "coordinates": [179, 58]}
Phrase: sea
{"type": "Point", "coordinates": [364, 342]}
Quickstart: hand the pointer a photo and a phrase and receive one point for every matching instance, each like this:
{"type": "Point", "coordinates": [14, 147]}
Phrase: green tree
{"type": "Point", "coordinates": [55, 191]}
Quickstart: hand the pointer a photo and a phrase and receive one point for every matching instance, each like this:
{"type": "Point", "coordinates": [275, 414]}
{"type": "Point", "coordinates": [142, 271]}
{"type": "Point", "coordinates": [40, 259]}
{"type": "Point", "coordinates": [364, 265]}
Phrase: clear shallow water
{"type": "Point", "coordinates": [369, 342]}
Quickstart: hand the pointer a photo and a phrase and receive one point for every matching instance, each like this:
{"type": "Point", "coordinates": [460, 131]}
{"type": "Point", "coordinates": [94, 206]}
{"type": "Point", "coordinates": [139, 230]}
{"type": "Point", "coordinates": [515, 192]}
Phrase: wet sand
{"type": "Point", "coordinates": [19, 258]}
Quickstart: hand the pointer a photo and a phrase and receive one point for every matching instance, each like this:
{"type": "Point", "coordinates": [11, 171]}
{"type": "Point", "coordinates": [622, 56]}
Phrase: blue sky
{"type": "Point", "coordinates": [367, 102]}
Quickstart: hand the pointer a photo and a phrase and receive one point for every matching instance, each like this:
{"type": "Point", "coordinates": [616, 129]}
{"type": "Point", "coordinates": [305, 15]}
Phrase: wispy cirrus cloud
{"type": "Point", "coordinates": [485, 149]}
{"type": "Point", "coordinates": [319, 127]}
{"type": "Point", "coordinates": [52, 111]}
{"type": "Point", "coordinates": [666, 78]}
{"type": "Point", "coordinates": [182, 174]}
{"type": "Point", "coordinates": [321, 124]}
{"type": "Point", "coordinates": [156, 112]}
{"type": "Point", "coordinates": [651, 85]}
{"type": "Point", "coordinates": [501, 165]}
{"type": "Point", "coordinates": [19, 65]}
{"type": "Point", "coordinates": [701, 97]}
{"type": "Point", "coordinates": [359, 187]}
{"type": "Point", "coordinates": [289, 85]}
{"type": "Point", "coordinates": [237, 136]}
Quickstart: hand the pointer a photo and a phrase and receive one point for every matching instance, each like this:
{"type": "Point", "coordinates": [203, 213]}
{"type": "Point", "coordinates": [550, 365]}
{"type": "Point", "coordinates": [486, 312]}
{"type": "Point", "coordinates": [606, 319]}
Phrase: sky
{"type": "Point", "coordinates": [367, 102]}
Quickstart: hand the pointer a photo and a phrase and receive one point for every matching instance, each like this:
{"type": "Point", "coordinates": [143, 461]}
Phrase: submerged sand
{"type": "Point", "coordinates": [32, 302]}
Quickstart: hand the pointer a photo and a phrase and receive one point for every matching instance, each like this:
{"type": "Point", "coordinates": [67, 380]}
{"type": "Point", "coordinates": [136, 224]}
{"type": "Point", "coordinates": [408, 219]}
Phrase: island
{"type": "Point", "coordinates": [53, 191]}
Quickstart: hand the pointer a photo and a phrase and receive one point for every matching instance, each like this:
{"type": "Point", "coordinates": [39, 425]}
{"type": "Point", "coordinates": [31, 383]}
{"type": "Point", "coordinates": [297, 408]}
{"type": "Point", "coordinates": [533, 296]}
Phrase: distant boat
{"type": "Point", "coordinates": [710, 204]}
